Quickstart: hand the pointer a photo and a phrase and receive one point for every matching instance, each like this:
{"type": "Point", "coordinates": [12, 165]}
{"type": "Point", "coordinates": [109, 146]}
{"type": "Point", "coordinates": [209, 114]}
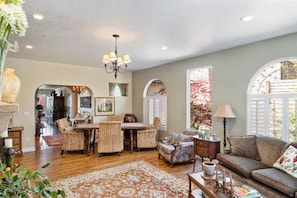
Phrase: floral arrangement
{"type": "Point", "coordinates": [12, 20]}
{"type": "Point", "coordinates": [21, 182]}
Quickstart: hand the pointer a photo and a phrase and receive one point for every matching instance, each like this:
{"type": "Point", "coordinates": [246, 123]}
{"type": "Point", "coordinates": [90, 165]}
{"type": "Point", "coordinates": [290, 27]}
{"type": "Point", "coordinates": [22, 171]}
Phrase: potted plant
{"type": "Point", "coordinates": [20, 182]}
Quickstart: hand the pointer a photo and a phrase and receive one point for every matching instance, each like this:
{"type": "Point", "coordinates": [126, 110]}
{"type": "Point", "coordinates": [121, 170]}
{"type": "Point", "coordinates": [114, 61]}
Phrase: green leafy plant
{"type": "Point", "coordinates": [21, 182]}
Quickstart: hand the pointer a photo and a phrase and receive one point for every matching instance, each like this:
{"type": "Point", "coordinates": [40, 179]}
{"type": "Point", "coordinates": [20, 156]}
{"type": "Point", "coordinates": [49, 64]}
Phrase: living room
{"type": "Point", "coordinates": [233, 69]}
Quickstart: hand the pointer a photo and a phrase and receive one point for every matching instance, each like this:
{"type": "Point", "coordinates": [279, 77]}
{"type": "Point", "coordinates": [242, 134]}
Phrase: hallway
{"type": "Point", "coordinates": [49, 128]}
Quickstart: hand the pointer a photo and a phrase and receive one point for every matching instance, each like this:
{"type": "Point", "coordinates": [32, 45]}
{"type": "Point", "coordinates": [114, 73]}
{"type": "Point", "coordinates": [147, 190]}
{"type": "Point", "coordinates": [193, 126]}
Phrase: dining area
{"type": "Point", "coordinates": [110, 136]}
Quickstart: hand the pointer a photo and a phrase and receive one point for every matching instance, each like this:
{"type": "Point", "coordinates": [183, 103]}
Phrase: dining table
{"type": "Point", "coordinates": [88, 129]}
{"type": "Point", "coordinates": [131, 126]}
{"type": "Point", "coordinates": [75, 121]}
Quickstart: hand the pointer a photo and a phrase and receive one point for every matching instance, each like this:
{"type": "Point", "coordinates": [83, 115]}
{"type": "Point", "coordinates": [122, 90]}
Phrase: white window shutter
{"type": "Point", "coordinates": [155, 106]}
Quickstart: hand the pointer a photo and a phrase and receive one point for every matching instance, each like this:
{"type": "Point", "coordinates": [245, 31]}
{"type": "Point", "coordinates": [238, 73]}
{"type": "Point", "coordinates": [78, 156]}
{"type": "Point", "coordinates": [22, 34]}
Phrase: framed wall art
{"type": "Point", "coordinates": [118, 89]}
{"type": "Point", "coordinates": [85, 102]}
{"type": "Point", "coordinates": [104, 106]}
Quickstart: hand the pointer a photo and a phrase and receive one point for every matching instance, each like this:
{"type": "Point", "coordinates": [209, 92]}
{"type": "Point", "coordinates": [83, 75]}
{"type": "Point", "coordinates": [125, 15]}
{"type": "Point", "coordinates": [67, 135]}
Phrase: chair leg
{"type": "Point", "coordinates": [62, 151]}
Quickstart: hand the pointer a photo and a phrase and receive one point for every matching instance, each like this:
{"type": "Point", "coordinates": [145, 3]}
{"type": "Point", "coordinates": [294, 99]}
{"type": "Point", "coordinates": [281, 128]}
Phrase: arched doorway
{"type": "Point", "coordinates": [53, 102]}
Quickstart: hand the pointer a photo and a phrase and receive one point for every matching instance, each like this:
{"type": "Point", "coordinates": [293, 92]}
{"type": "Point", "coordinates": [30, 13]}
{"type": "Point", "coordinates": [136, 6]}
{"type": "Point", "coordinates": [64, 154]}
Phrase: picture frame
{"type": "Point", "coordinates": [85, 102]}
{"type": "Point", "coordinates": [118, 89]}
{"type": "Point", "coordinates": [104, 106]}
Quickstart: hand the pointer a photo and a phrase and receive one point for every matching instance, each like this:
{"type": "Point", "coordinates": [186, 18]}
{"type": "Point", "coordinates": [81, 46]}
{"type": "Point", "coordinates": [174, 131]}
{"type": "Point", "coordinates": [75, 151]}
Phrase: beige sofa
{"type": "Point", "coordinates": [251, 160]}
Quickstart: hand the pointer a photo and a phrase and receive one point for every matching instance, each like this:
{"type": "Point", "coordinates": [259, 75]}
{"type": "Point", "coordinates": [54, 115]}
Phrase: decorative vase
{"type": "Point", "coordinates": [11, 85]}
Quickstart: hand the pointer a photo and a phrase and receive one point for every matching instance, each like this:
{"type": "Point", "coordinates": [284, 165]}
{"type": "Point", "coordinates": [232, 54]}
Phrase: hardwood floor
{"type": "Point", "coordinates": [69, 164]}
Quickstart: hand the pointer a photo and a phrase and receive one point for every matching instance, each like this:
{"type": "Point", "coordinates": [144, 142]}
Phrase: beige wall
{"type": "Point", "coordinates": [34, 73]}
{"type": "Point", "coordinates": [232, 72]}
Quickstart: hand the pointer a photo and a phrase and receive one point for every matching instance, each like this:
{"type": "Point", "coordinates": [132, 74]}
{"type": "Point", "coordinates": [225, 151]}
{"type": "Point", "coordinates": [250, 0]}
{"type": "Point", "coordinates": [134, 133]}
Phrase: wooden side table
{"type": "Point", "coordinates": [15, 133]}
{"type": "Point", "coordinates": [205, 148]}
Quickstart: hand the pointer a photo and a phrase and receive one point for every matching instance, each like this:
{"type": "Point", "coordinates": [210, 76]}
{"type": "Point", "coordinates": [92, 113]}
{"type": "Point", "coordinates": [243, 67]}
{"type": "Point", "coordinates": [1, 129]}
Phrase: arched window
{"type": "Point", "coordinates": [155, 103]}
{"type": "Point", "coordinates": [272, 100]}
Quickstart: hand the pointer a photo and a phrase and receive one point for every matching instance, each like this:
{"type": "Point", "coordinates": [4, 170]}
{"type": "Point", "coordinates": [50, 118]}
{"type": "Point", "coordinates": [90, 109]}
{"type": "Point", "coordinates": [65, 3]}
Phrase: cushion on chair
{"type": "Point", "coordinates": [69, 128]}
{"type": "Point", "coordinates": [173, 138]}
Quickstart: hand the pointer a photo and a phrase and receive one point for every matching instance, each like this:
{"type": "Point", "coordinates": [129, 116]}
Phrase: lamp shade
{"type": "Point", "coordinates": [112, 56]}
{"type": "Point", "coordinates": [105, 58]}
{"type": "Point", "coordinates": [126, 58]}
{"type": "Point", "coordinates": [224, 111]}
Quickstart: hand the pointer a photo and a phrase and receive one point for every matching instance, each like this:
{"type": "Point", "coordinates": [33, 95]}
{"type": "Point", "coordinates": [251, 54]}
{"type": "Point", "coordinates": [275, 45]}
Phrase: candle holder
{"type": "Point", "coordinates": [222, 181]}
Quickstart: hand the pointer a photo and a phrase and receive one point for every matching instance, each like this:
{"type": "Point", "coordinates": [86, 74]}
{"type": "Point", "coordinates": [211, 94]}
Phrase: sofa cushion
{"type": "Point", "coordinates": [276, 179]}
{"type": "Point", "coordinates": [244, 146]}
{"type": "Point", "coordinates": [270, 149]}
{"type": "Point", "coordinates": [241, 165]}
{"type": "Point", "coordinates": [166, 148]}
{"type": "Point", "coordinates": [288, 161]}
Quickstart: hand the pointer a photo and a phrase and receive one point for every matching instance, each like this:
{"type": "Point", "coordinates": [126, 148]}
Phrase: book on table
{"type": "Point", "coordinates": [244, 191]}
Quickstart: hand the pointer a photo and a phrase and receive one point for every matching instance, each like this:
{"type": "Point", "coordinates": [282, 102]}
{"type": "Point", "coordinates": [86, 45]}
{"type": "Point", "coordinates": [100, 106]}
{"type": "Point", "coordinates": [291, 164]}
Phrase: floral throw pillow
{"type": "Point", "coordinates": [288, 161]}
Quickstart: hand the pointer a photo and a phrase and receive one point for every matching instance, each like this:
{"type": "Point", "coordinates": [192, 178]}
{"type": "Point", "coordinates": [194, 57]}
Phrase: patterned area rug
{"type": "Point", "coordinates": [53, 140]}
{"type": "Point", "coordinates": [136, 179]}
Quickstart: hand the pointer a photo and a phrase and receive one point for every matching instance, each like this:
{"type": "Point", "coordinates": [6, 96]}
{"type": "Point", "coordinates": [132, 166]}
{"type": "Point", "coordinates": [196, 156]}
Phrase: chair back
{"type": "Point", "coordinates": [62, 124]}
{"type": "Point", "coordinates": [156, 122]}
{"type": "Point", "coordinates": [110, 137]}
{"type": "Point", "coordinates": [116, 118]}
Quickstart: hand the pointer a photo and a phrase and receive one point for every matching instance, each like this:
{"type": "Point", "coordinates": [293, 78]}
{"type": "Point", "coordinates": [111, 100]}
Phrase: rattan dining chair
{"type": "Point", "coordinates": [147, 138]}
{"type": "Point", "coordinates": [110, 137]}
{"type": "Point", "coordinates": [72, 140]}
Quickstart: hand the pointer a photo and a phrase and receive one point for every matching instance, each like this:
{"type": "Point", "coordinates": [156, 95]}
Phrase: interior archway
{"type": "Point", "coordinates": [53, 102]}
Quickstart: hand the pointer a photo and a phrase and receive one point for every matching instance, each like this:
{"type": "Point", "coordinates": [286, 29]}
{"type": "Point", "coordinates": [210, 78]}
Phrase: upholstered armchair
{"type": "Point", "coordinates": [72, 140]}
{"type": "Point", "coordinates": [178, 148]}
{"type": "Point", "coordinates": [110, 137]}
{"type": "Point", "coordinates": [147, 138]}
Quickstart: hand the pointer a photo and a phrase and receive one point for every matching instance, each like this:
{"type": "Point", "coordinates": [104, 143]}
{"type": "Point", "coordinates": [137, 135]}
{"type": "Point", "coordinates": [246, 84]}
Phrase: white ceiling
{"type": "Point", "coordinates": [79, 32]}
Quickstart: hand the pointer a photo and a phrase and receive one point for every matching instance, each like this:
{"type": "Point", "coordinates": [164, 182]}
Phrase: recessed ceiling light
{"type": "Point", "coordinates": [29, 46]}
{"type": "Point", "coordinates": [247, 18]}
{"type": "Point", "coordinates": [38, 16]}
{"type": "Point", "coordinates": [164, 47]}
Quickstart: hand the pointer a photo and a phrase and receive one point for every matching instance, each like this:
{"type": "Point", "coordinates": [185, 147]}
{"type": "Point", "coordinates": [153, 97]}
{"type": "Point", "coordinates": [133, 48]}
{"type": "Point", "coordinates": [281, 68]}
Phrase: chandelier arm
{"type": "Point", "coordinates": [109, 68]}
{"type": "Point", "coordinates": [122, 69]}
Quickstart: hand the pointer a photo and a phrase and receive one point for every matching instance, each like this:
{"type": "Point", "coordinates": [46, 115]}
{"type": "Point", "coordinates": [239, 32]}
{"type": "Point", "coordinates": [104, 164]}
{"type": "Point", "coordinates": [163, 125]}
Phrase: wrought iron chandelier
{"type": "Point", "coordinates": [113, 63]}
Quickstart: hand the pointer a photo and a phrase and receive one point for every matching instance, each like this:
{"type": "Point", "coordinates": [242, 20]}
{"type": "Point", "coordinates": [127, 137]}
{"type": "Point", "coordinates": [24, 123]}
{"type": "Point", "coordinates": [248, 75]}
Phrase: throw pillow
{"type": "Point", "coordinates": [244, 146]}
{"type": "Point", "coordinates": [288, 161]}
{"type": "Point", "coordinates": [173, 138]}
{"type": "Point", "coordinates": [191, 132]}
{"type": "Point", "coordinates": [184, 138]}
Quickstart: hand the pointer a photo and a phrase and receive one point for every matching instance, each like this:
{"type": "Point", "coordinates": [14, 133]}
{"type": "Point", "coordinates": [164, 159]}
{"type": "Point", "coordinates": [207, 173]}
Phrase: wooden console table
{"type": "Point", "coordinates": [15, 133]}
{"type": "Point", "coordinates": [205, 148]}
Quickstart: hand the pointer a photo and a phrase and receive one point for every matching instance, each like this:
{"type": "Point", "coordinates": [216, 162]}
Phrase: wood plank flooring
{"type": "Point", "coordinates": [69, 164]}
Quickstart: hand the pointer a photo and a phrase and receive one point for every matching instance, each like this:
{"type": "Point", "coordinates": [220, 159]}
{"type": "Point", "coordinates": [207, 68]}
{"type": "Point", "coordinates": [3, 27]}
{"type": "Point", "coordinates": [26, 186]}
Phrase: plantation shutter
{"type": "Point", "coordinates": [273, 115]}
{"type": "Point", "coordinates": [156, 106]}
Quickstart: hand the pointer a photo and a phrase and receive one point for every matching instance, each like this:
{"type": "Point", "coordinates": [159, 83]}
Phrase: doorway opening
{"type": "Point", "coordinates": [53, 102]}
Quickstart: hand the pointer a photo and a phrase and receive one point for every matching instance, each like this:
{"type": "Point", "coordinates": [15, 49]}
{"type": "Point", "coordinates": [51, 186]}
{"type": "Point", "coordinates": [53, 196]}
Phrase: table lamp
{"type": "Point", "coordinates": [224, 111]}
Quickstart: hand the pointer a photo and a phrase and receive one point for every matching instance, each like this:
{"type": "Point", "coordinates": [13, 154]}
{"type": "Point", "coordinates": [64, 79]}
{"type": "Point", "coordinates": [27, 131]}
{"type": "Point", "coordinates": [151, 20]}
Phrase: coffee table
{"type": "Point", "coordinates": [206, 186]}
